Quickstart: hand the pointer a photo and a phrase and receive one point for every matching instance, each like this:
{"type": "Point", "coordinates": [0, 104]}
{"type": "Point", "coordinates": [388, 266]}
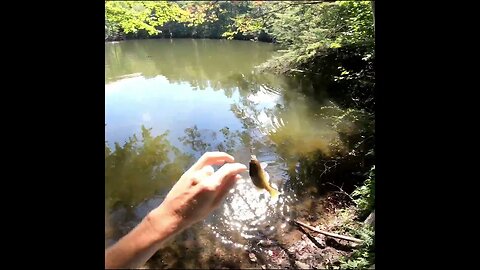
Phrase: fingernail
{"type": "Point", "coordinates": [241, 165]}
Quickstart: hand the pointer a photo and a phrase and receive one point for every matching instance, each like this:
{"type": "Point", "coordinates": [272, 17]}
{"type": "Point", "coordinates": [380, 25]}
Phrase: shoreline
{"type": "Point", "coordinates": [249, 40]}
{"type": "Point", "coordinates": [296, 248]}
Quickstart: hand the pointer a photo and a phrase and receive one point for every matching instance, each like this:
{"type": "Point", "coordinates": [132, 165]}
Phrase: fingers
{"type": "Point", "coordinates": [212, 158]}
{"type": "Point", "coordinates": [207, 170]}
{"type": "Point", "coordinates": [202, 174]}
{"type": "Point", "coordinates": [229, 169]}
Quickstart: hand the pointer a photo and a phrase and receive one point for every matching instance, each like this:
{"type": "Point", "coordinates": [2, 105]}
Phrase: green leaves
{"type": "Point", "coordinates": [229, 34]}
{"type": "Point", "coordinates": [297, 25]}
{"type": "Point", "coordinates": [132, 16]}
{"type": "Point", "coordinates": [308, 29]}
{"type": "Point", "coordinates": [364, 256]}
{"type": "Point", "coordinates": [365, 194]}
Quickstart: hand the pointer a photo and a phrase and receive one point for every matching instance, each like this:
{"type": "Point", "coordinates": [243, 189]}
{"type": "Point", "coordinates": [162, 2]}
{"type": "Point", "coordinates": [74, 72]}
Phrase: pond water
{"type": "Point", "coordinates": [169, 101]}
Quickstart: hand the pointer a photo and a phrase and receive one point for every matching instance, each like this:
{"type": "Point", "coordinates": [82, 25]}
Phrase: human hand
{"type": "Point", "coordinates": [199, 191]}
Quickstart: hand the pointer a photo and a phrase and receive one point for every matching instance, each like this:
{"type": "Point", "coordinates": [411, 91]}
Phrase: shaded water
{"type": "Point", "coordinates": [169, 101]}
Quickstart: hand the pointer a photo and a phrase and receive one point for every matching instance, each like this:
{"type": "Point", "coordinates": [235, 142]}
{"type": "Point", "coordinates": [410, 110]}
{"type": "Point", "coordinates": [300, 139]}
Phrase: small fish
{"type": "Point", "coordinates": [260, 177]}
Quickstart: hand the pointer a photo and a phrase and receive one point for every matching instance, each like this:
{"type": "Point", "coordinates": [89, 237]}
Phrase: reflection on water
{"type": "Point", "coordinates": [169, 101]}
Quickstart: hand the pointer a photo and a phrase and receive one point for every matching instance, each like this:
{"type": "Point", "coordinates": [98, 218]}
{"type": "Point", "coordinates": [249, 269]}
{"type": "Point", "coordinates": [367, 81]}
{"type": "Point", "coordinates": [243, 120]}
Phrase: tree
{"type": "Point", "coordinates": [132, 16]}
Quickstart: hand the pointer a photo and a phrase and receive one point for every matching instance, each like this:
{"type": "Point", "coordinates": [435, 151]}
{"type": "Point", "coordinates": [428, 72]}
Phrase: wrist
{"type": "Point", "coordinates": [163, 224]}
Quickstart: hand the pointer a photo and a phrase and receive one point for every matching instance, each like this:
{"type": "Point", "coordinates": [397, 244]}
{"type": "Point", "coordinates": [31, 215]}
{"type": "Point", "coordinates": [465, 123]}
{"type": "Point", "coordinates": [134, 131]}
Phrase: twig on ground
{"type": "Point", "coordinates": [343, 192]}
{"type": "Point", "coordinates": [348, 238]}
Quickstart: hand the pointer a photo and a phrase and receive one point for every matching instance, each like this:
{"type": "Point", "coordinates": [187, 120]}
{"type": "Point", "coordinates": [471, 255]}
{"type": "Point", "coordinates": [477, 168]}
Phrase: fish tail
{"type": "Point", "coordinates": [273, 192]}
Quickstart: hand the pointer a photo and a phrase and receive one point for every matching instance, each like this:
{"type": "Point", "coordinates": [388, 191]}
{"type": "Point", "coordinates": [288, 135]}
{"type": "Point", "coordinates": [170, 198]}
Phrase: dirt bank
{"type": "Point", "coordinates": [291, 248]}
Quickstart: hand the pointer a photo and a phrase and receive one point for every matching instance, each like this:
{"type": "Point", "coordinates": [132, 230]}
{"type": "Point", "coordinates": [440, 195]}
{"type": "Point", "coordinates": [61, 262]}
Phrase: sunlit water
{"type": "Point", "coordinates": [206, 94]}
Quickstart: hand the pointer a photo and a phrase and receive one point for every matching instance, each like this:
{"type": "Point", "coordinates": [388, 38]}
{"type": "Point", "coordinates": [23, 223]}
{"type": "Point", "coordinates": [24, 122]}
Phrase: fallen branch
{"type": "Point", "coordinates": [343, 192]}
{"type": "Point", "coordinates": [348, 238]}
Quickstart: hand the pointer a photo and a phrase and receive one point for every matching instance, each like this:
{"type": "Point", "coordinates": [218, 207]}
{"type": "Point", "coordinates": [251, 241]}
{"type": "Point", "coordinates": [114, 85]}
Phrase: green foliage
{"type": "Point", "coordinates": [308, 30]}
{"type": "Point", "coordinates": [198, 13]}
{"type": "Point", "coordinates": [305, 28]}
{"type": "Point", "coordinates": [132, 16]}
{"type": "Point", "coordinates": [358, 21]}
{"type": "Point", "coordinates": [111, 30]}
{"type": "Point", "coordinates": [244, 20]}
{"type": "Point", "coordinates": [364, 255]}
{"type": "Point", "coordinates": [365, 194]}
{"type": "Point", "coordinates": [244, 25]}
{"type": "Point", "coordinates": [183, 18]}
{"type": "Point", "coordinates": [139, 168]}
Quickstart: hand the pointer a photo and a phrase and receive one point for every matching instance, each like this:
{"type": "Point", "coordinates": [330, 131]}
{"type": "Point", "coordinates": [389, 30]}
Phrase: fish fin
{"type": "Point", "coordinates": [273, 192]}
{"type": "Point", "coordinates": [263, 165]}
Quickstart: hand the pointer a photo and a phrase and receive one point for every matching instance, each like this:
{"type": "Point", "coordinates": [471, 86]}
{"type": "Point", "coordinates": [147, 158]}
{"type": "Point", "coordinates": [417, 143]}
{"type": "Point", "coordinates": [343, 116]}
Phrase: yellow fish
{"type": "Point", "coordinates": [260, 177]}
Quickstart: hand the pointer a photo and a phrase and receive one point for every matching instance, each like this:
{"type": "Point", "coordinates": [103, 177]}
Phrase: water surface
{"type": "Point", "coordinates": [169, 101]}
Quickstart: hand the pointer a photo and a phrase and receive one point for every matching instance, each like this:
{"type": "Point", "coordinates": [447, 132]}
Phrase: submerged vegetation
{"type": "Point", "coordinates": [330, 43]}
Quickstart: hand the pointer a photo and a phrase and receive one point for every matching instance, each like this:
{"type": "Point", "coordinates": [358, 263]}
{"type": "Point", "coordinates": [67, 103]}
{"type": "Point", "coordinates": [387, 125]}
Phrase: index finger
{"type": "Point", "coordinates": [213, 158]}
{"type": "Point", "coordinates": [226, 171]}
